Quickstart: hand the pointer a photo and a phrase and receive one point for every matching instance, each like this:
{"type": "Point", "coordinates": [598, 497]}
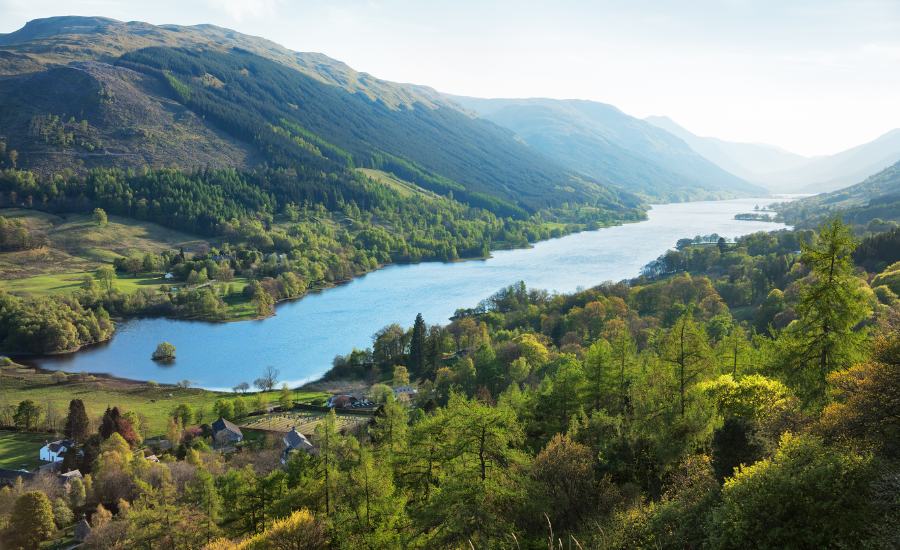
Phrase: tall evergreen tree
{"type": "Point", "coordinates": [77, 423]}
{"type": "Point", "coordinates": [417, 348]}
{"type": "Point", "coordinates": [831, 304]}
{"type": "Point", "coordinates": [598, 369]}
{"type": "Point", "coordinates": [686, 347]}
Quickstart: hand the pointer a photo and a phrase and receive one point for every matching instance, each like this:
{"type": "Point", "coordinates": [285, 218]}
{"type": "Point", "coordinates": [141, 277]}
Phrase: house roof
{"type": "Point", "coordinates": [82, 529]}
{"type": "Point", "coordinates": [59, 445]}
{"type": "Point", "coordinates": [296, 440]}
{"type": "Point", "coordinates": [8, 477]}
{"type": "Point", "coordinates": [222, 424]}
{"type": "Point", "coordinates": [71, 474]}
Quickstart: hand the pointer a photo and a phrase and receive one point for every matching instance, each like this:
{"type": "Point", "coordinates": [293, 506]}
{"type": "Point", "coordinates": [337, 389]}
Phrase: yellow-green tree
{"type": "Point", "coordinates": [31, 521]}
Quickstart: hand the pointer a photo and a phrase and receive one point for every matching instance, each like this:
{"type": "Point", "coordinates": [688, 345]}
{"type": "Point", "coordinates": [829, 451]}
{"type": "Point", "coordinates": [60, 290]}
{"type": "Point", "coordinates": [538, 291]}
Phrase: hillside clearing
{"type": "Point", "coordinates": [77, 244]}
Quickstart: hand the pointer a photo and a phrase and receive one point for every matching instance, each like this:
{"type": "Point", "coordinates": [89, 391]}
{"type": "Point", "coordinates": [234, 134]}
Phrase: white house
{"type": "Point", "coordinates": [56, 451]}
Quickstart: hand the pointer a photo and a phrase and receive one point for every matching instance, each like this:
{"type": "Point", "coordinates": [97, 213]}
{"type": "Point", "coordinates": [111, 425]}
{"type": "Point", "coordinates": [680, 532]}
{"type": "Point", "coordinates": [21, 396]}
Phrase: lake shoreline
{"type": "Point", "coordinates": [306, 334]}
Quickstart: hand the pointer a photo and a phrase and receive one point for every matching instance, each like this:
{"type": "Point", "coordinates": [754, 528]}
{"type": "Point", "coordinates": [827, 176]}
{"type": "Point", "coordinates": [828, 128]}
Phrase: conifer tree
{"type": "Point", "coordinates": [77, 423]}
{"type": "Point", "coordinates": [831, 304]}
{"type": "Point", "coordinates": [417, 347]}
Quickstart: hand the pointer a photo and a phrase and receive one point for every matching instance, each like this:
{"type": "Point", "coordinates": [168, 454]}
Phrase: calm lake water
{"type": "Point", "coordinates": [305, 335]}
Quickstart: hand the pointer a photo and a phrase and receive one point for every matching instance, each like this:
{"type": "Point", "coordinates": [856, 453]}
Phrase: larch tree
{"type": "Point", "coordinates": [599, 372]}
{"type": "Point", "coordinates": [831, 305]}
{"type": "Point", "coordinates": [686, 348]}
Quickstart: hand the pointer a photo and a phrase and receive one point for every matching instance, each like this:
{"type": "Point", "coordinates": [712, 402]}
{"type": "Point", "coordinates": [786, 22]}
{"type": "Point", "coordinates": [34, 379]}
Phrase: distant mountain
{"type": "Point", "coordinates": [82, 92]}
{"type": "Point", "coordinates": [836, 171]}
{"type": "Point", "coordinates": [747, 160]}
{"type": "Point", "coordinates": [786, 172]}
{"type": "Point", "coordinates": [606, 144]}
{"type": "Point", "coordinates": [876, 198]}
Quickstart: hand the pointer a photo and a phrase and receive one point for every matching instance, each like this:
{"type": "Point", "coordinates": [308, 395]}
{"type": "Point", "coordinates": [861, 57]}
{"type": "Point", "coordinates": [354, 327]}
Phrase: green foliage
{"type": "Point", "coordinates": [100, 217]}
{"type": "Point", "coordinates": [27, 415]}
{"type": "Point", "coordinates": [831, 304]}
{"type": "Point", "coordinates": [15, 235]}
{"type": "Point", "coordinates": [165, 351]}
{"type": "Point", "coordinates": [50, 324]}
{"type": "Point", "coordinates": [77, 422]}
{"type": "Point", "coordinates": [31, 522]}
{"type": "Point", "coordinates": [805, 495]}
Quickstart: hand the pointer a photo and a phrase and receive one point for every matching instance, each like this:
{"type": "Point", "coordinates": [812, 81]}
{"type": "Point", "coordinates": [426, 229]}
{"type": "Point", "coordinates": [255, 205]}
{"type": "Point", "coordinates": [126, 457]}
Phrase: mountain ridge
{"type": "Point", "coordinates": [789, 172]}
{"type": "Point", "coordinates": [605, 143]}
{"type": "Point", "coordinates": [409, 130]}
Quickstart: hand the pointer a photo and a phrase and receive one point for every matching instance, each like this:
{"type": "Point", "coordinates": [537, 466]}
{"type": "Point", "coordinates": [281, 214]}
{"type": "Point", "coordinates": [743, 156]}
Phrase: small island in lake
{"type": "Point", "coordinates": [164, 352]}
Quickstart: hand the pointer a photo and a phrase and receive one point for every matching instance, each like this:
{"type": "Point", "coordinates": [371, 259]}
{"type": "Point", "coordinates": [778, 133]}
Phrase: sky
{"type": "Point", "coordinates": [812, 76]}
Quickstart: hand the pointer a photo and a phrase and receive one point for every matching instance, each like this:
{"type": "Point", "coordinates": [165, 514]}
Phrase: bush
{"type": "Point", "coordinates": [806, 496]}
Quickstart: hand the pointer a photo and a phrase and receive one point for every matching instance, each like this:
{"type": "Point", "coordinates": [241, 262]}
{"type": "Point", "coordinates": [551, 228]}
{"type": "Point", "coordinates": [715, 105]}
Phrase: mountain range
{"type": "Point", "coordinates": [608, 145]}
{"type": "Point", "coordinates": [781, 171]}
{"type": "Point", "coordinates": [83, 92]}
{"type": "Point", "coordinates": [77, 93]}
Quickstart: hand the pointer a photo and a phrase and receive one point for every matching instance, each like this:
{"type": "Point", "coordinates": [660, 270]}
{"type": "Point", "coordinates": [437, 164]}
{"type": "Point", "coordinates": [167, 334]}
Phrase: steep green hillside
{"type": "Point", "coordinates": [875, 202]}
{"type": "Point", "coordinates": [92, 92]}
{"type": "Point", "coordinates": [608, 145]}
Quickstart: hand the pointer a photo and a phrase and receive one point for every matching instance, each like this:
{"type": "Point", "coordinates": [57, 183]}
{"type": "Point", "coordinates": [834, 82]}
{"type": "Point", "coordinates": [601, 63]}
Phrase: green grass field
{"type": "Point", "coordinates": [404, 188]}
{"type": "Point", "coordinates": [155, 403]}
{"type": "Point", "coordinates": [64, 283]}
{"type": "Point", "coordinates": [20, 450]}
{"type": "Point", "coordinates": [77, 244]}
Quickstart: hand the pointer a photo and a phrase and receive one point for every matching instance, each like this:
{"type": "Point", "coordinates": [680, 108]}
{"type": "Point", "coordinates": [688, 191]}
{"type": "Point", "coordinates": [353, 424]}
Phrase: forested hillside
{"type": "Point", "coordinates": [113, 94]}
{"type": "Point", "coordinates": [297, 171]}
{"type": "Point", "coordinates": [736, 392]}
{"type": "Point", "coordinates": [873, 205]}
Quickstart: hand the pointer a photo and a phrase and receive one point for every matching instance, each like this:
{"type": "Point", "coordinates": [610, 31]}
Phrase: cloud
{"type": "Point", "coordinates": [240, 10]}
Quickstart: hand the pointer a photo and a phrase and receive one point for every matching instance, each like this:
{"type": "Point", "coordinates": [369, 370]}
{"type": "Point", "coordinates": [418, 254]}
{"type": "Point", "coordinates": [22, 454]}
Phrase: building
{"type": "Point", "coordinates": [405, 393]}
{"type": "Point", "coordinates": [66, 479]}
{"type": "Point", "coordinates": [56, 451]}
{"type": "Point", "coordinates": [225, 433]}
{"type": "Point", "coordinates": [82, 529]}
{"type": "Point", "coordinates": [296, 441]}
{"type": "Point", "coordinates": [341, 401]}
{"type": "Point", "coordinates": [344, 401]}
{"type": "Point", "coordinates": [8, 477]}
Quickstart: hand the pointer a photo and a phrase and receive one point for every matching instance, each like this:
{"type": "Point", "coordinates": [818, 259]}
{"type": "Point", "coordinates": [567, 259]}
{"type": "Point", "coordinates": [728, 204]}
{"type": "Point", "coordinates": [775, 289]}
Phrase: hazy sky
{"type": "Point", "coordinates": [813, 76]}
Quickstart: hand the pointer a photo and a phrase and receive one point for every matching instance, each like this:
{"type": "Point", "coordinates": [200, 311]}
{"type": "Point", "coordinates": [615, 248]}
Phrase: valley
{"type": "Point", "coordinates": [254, 298]}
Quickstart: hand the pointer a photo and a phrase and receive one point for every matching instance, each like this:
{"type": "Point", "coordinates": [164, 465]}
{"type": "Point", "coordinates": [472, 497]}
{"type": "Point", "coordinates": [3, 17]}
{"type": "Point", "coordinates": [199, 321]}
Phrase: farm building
{"type": "Point", "coordinates": [225, 433]}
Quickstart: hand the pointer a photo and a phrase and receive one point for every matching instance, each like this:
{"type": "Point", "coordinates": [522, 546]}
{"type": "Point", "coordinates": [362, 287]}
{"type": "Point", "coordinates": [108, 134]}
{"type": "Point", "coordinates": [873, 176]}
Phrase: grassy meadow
{"type": "Point", "coordinates": [20, 450]}
{"type": "Point", "coordinates": [154, 402]}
